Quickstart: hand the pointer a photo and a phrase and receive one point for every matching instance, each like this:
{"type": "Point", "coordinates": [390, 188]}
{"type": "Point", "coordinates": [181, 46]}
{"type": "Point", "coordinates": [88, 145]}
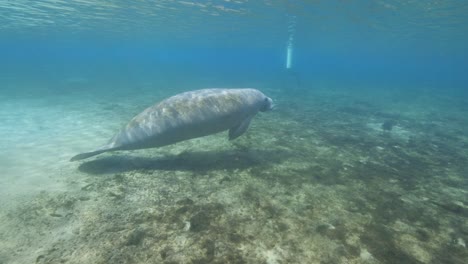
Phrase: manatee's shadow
{"type": "Point", "coordinates": [187, 161]}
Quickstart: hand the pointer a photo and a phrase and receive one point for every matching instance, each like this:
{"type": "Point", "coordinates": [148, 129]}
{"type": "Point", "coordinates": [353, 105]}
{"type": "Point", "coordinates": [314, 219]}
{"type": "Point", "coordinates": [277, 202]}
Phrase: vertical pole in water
{"type": "Point", "coordinates": [289, 53]}
{"type": "Point", "coordinates": [290, 46]}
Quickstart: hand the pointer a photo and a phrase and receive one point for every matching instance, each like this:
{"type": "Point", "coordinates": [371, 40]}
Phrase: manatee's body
{"type": "Point", "coordinates": [188, 115]}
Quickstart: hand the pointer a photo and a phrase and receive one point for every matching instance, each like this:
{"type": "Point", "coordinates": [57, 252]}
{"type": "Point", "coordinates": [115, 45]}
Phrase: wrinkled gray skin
{"type": "Point", "coordinates": [188, 115]}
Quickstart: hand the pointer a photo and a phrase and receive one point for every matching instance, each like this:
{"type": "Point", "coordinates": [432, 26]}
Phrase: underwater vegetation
{"type": "Point", "coordinates": [343, 182]}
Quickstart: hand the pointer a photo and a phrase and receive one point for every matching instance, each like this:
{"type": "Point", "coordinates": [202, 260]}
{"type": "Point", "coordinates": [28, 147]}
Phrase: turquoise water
{"type": "Point", "coordinates": [363, 159]}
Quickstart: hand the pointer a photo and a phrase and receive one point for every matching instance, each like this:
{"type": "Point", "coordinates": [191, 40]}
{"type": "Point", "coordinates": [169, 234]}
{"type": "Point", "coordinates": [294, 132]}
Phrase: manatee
{"type": "Point", "coordinates": [188, 115]}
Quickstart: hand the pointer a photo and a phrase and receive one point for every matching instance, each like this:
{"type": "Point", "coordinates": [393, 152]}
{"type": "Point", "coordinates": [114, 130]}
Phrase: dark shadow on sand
{"type": "Point", "coordinates": [187, 161]}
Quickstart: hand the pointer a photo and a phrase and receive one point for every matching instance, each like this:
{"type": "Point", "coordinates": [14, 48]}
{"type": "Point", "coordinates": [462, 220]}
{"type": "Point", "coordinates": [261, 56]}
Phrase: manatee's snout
{"type": "Point", "coordinates": [267, 105]}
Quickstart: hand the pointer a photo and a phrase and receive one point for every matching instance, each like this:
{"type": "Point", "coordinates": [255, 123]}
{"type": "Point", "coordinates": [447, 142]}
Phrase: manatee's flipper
{"type": "Point", "coordinates": [90, 154]}
{"type": "Point", "coordinates": [240, 129]}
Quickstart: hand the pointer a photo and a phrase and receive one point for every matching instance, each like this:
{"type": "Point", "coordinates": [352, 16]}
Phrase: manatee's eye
{"type": "Point", "coordinates": [267, 105]}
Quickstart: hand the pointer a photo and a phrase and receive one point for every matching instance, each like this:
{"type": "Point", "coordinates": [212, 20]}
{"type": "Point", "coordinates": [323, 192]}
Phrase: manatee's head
{"type": "Point", "coordinates": [267, 104]}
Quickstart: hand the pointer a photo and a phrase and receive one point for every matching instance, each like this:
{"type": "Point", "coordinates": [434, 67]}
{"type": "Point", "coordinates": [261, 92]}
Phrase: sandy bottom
{"type": "Point", "coordinates": [330, 176]}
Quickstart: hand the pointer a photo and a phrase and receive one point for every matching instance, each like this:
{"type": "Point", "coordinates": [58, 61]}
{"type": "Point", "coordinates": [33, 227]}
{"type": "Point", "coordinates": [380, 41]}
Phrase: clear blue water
{"type": "Point", "coordinates": [391, 41]}
{"type": "Point", "coordinates": [362, 161]}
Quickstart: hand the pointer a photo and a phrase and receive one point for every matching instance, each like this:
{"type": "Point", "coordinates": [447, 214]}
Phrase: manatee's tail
{"type": "Point", "coordinates": [90, 154]}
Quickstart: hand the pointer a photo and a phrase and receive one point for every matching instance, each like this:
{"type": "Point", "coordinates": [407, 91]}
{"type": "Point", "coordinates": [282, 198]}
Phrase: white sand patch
{"type": "Point", "coordinates": [274, 255]}
{"type": "Point", "coordinates": [396, 132]}
{"type": "Point", "coordinates": [39, 135]}
{"type": "Point", "coordinates": [415, 248]}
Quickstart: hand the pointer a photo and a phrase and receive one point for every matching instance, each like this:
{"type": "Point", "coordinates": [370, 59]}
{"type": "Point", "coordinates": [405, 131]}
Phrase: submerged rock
{"type": "Point", "coordinates": [388, 125]}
